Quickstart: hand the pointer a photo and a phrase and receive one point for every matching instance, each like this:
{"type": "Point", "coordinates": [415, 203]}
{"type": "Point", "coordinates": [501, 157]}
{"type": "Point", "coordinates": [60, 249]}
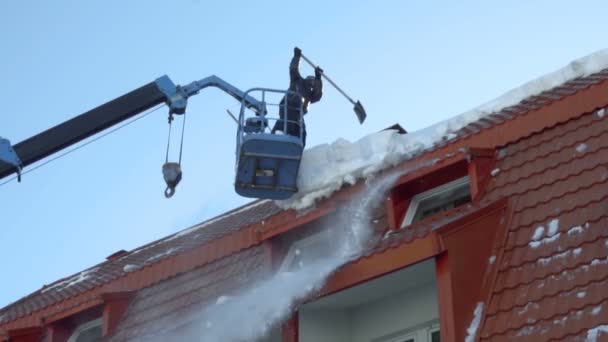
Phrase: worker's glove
{"type": "Point", "coordinates": [297, 52]}
{"type": "Point", "coordinates": [318, 72]}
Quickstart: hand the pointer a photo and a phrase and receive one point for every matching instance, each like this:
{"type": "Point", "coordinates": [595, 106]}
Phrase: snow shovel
{"type": "Point", "coordinates": [359, 110]}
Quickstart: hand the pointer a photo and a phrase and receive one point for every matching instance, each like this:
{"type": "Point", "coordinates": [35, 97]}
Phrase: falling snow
{"type": "Point", "coordinates": [222, 299]}
{"type": "Point", "coordinates": [268, 302]}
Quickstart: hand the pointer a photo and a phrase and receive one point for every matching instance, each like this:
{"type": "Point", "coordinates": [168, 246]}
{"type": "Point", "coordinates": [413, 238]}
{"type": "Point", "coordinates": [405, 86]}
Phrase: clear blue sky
{"type": "Point", "coordinates": [409, 62]}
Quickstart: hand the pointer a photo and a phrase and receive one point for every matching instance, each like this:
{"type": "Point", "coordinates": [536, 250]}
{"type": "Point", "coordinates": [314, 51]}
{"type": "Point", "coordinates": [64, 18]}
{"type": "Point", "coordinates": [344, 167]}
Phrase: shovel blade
{"type": "Point", "coordinates": [360, 111]}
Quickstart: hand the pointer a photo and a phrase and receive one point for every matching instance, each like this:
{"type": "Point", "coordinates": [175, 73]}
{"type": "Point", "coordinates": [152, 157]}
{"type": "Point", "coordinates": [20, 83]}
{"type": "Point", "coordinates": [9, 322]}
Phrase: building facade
{"type": "Point", "coordinates": [498, 234]}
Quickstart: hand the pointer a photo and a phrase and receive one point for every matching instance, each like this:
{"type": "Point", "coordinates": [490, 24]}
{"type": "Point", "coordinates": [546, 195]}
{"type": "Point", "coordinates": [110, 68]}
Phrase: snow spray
{"type": "Point", "coordinates": [252, 314]}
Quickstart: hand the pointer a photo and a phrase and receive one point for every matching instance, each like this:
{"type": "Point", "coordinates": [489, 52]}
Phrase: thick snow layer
{"type": "Point", "coordinates": [325, 168]}
{"type": "Point", "coordinates": [472, 329]}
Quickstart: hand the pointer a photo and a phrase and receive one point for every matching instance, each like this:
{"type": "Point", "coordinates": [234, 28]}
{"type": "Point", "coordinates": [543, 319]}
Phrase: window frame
{"type": "Point", "coordinates": [98, 322]}
{"type": "Point", "coordinates": [412, 209]}
{"type": "Point", "coordinates": [419, 333]}
{"type": "Point", "coordinates": [412, 335]}
{"type": "Point", "coordinates": [432, 329]}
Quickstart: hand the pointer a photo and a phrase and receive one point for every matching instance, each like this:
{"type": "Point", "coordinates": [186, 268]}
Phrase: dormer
{"type": "Point", "coordinates": [454, 181]}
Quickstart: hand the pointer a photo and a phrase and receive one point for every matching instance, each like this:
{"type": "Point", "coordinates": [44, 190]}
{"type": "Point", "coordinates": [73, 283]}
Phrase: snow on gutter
{"type": "Point", "coordinates": [326, 168]}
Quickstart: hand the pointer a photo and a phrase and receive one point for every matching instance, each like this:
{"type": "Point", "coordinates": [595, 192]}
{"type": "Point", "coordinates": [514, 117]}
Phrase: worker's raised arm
{"type": "Point", "coordinates": [317, 88]}
{"type": "Point", "coordinates": [294, 66]}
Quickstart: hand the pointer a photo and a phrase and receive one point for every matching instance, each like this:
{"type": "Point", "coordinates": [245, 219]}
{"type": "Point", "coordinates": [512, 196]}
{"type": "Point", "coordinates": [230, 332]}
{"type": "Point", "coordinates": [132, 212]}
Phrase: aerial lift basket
{"type": "Point", "coordinates": [267, 162]}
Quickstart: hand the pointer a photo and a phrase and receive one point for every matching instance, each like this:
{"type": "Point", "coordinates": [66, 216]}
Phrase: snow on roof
{"type": "Point", "coordinates": [75, 279]}
{"type": "Point", "coordinates": [325, 168]}
{"type": "Point", "coordinates": [474, 326]}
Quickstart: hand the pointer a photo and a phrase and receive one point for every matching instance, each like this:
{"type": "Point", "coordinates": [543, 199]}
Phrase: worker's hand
{"type": "Point", "coordinates": [318, 72]}
{"type": "Point", "coordinates": [297, 52]}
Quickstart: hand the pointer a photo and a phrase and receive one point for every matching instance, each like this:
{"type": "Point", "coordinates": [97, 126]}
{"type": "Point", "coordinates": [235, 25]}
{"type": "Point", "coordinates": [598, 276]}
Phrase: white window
{"type": "Point", "coordinates": [88, 332]}
{"type": "Point", "coordinates": [441, 198]}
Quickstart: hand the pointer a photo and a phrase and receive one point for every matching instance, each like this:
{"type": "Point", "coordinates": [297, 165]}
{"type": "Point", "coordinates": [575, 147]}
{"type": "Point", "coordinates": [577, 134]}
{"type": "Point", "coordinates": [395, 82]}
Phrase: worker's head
{"type": "Point", "coordinates": [307, 87]}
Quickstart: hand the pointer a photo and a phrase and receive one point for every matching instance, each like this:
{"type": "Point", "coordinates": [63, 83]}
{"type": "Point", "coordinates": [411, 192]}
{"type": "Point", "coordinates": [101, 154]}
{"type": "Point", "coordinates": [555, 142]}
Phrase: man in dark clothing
{"type": "Point", "coordinates": [305, 91]}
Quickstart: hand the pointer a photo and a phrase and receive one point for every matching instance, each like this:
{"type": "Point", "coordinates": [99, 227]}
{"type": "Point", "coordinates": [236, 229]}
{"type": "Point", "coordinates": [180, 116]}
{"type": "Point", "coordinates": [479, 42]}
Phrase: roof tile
{"type": "Point", "coordinates": [166, 305]}
{"type": "Point", "coordinates": [554, 270]}
{"type": "Point", "coordinates": [106, 271]}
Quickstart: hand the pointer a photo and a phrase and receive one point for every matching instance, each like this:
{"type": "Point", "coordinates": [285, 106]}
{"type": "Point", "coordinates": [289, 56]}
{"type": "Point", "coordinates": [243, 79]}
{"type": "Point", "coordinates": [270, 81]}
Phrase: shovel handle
{"type": "Point", "coordinates": [329, 80]}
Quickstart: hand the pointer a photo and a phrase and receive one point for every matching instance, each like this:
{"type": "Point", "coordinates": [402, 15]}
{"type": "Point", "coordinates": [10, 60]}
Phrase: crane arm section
{"type": "Point", "coordinates": [115, 111]}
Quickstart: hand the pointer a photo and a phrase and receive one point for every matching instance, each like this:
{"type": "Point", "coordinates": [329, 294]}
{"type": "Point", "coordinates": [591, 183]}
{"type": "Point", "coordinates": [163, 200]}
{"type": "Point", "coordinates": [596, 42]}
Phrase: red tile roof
{"type": "Point", "coordinates": [144, 256]}
{"type": "Point", "coordinates": [544, 168]}
{"type": "Point", "coordinates": [553, 274]}
{"type": "Point", "coordinates": [168, 305]}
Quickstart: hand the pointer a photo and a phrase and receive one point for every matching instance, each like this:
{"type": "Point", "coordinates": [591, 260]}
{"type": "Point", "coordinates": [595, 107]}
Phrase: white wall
{"type": "Point", "coordinates": [395, 313]}
{"type": "Point", "coordinates": [325, 326]}
{"type": "Point", "coordinates": [371, 320]}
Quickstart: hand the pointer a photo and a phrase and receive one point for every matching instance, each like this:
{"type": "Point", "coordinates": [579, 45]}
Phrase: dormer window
{"type": "Point", "coordinates": [88, 332]}
{"type": "Point", "coordinates": [451, 182]}
{"type": "Point", "coordinates": [436, 200]}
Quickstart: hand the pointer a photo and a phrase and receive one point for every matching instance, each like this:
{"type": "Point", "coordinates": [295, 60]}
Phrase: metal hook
{"type": "Point", "coordinates": [172, 173]}
{"type": "Point", "coordinates": [169, 191]}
